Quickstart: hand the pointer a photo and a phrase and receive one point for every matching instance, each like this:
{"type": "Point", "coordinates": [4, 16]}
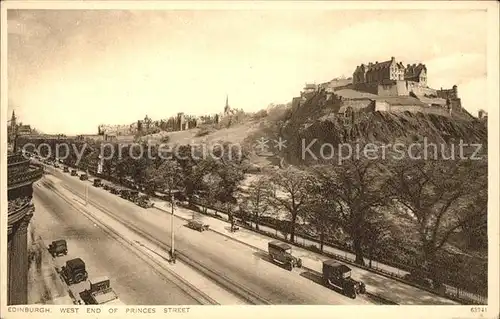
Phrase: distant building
{"type": "Point", "coordinates": [378, 72]}
{"type": "Point", "coordinates": [309, 88]}
{"type": "Point", "coordinates": [482, 115]}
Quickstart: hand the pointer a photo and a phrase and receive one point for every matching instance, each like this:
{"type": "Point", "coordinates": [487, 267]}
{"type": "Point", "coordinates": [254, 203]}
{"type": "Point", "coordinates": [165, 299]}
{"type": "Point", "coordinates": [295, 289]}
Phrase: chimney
{"type": "Point", "coordinates": [414, 65]}
{"type": "Point", "coordinates": [392, 58]}
{"type": "Point", "coordinates": [376, 62]}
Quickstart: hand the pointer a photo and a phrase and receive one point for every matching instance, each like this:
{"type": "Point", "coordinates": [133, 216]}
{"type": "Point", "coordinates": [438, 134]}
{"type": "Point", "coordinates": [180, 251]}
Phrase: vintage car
{"type": "Point", "coordinates": [66, 169]}
{"type": "Point", "coordinates": [144, 202]}
{"type": "Point", "coordinates": [84, 177]}
{"type": "Point", "coordinates": [100, 292]}
{"type": "Point", "coordinates": [97, 182]}
{"type": "Point", "coordinates": [114, 190]}
{"type": "Point", "coordinates": [133, 196]}
{"type": "Point", "coordinates": [281, 253]}
{"type": "Point", "coordinates": [74, 172]}
{"type": "Point", "coordinates": [338, 275]}
{"type": "Point", "coordinates": [74, 271]}
{"type": "Point", "coordinates": [106, 186]}
{"type": "Point", "coordinates": [58, 248]}
{"type": "Point", "coordinates": [198, 225]}
{"type": "Point", "coordinates": [125, 193]}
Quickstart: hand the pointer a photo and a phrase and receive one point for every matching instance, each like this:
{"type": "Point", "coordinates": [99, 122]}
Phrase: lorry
{"type": "Point", "coordinates": [58, 248]}
{"type": "Point", "coordinates": [99, 292]}
{"type": "Point", "coordinates": [281, 253]}
{"type": "Point", "coordinates": [74, 271]}
{"type": "Point", "coordinates": [338, 275]}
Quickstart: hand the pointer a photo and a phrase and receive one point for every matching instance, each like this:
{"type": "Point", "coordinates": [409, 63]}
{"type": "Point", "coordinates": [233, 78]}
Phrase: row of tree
{"type": "Point", "coordinates": [418, 206]}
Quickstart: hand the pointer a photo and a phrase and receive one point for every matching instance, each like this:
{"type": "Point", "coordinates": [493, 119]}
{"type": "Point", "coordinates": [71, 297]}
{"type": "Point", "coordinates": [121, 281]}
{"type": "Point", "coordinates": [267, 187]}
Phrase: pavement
{"type": "Point", "coordinates": [240, 255]}
{"type": "Point", "coordinates": [378, 285]}
{"type": "Point", "coordinates": [44, 285]}
{"type": "Point", "coordinates": [226, 259]}
{"type": "Point", "coordinates": [132, 277]}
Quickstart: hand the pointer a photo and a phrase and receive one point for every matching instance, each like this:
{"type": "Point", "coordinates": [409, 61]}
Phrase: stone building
{"type": "Point", "coordinates": [379, 72]}
{"type": "Point", "coordinates": [482, 115]}
{"type": "Point", "coordinates": [448, 93]}
{"type": "Point", "coordinates": [21, 174]}
{"type": "Point", "coordinates": [416, 73]}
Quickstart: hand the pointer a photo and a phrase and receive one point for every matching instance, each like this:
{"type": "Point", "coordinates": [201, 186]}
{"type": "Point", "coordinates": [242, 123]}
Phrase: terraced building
{"type": "Point", "coordinates": [21, 174]}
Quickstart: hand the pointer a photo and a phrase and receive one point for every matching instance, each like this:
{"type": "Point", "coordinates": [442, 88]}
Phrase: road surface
{"type": "Point", "coordinates": [131, 277]}
{"type": "Point", "coordinates": [237, 262]}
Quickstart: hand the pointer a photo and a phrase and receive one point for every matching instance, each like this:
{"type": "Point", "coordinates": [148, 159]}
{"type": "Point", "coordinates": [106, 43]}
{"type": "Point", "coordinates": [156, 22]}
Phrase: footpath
{"type": "Point", "coordinates": [384, 287]}
{"type": "Point", "coordinates": [45, 286]}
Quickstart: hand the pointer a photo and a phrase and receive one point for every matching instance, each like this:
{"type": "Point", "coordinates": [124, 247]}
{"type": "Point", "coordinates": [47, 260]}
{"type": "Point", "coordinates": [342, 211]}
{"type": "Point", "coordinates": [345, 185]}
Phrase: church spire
{"type": "Point", "coordinates": [226, 108]}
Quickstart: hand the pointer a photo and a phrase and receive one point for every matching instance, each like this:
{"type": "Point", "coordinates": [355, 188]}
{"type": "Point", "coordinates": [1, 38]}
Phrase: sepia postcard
{"type": "Point", "coordinates": [315, 159]}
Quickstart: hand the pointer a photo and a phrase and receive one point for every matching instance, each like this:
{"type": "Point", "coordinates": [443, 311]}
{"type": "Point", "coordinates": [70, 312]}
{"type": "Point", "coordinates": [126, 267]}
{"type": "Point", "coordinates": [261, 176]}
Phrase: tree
{"type": "Point", "coordinates": [322, 210]}
{"type": "Point", "coordinates": [357, 186]}
{"type": "Point", "coordinates": [258, 198]}
{"type": "Point", "coordinates": [442, 197]}
{"type": "Point", "coordinates": [167, 177]}
{"type": "Point", "coordinates": [290, 194]}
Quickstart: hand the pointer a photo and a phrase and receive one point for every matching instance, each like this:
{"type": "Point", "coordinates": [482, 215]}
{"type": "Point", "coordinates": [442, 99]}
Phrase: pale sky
{"type": "Point", "coordinates": [71, 70]}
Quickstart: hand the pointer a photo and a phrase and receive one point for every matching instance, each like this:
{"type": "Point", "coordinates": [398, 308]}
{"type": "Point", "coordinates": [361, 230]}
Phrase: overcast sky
{"type": "Point", "coordinates": [72, 70]}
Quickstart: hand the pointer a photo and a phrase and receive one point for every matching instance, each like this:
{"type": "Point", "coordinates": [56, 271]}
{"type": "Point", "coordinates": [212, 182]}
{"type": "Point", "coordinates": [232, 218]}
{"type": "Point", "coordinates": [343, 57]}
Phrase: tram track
{"type": "Point", "coordinates": [162, 270]}
{"type": "Point", "coordinates": [214, 275]}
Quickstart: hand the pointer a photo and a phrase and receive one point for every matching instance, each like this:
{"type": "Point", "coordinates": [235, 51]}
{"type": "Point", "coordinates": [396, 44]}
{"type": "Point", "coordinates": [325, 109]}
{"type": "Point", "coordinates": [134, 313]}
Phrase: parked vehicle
{"type": "Point", "coordinates": [106, 187]}
{"type": "Point", "coordinates": [133, 196]}
{"type": "Point", "coordinates": [197, 225]}
{"type": "Point", "coordinates": [58, 248]}
{"type": "Point", "coordinates": [114, 190]}
{"type": "Point", "coordinates": [74, 172]}
{"type": "Point", "coordinates": [74, 271]}
{"type": "Point", "coordinates": [97, 182]}
{"type": "Point", "coordinates": [84, 177]}
{"type": "Point", "coordinates": [125, 193]}
{"type": "Point", "coordinates": [338, 275]}
{"type": "Point", "coordinates": [281, 253]}
{"type": "Point", "coordinates": [100, 293]}
{"type": "Point", "coordinates": [66, 169]}
{"type": "Point", "coordinates": [144, 202]}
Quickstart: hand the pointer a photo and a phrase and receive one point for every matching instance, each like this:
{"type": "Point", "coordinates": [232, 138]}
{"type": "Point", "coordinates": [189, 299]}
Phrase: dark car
{"type": "Point", "coordinates": [197, 225]}
{"type": "Point", "coordinates": [338, 275]}
{"type": "Point", "coordinates": [133, 195]}
{"type": "Point", "coordinates": [114, 190]}
{"type": "Point", "coordinates": [74, 271]}
{"type": "Point", "coordinates": [97, 182]}
{"type": "Point", "coordinates": [84, 177]}
{"type": "Point", "coordinates": [74, 172]}
{"type": "Point", "coordinates": [58, 248]}
{"type": "Point", "coordinates": [281, 253]}
{"type": "Point", "coordinates": [66, 169]}
{"type": "Point", "coordinates": [106, 187]}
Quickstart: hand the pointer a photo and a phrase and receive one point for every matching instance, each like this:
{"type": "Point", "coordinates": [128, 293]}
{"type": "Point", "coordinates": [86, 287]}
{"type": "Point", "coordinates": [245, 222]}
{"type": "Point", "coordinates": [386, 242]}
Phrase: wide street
{"type": "Point", "coordinates": [131, 277]}
{"type": "Point", "coordinates": [236, 262]}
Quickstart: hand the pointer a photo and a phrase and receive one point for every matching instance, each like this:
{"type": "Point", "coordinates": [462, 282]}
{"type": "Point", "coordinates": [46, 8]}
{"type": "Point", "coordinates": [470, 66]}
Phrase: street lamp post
{"type": "Point", "coordinates": [86, 191]}
{"type": "Point", "coordinates": [172, 229]}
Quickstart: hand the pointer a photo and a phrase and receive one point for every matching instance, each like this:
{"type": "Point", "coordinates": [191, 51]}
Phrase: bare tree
{"type": "Point", "coordinates": [257, 201]}
{"type": "Point", "coordinates": [290, 194]}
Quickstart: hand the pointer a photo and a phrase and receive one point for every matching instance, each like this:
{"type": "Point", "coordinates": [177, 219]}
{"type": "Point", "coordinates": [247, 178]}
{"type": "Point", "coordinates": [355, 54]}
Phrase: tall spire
{"type": "Point", "coordinates": [226, 108]}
